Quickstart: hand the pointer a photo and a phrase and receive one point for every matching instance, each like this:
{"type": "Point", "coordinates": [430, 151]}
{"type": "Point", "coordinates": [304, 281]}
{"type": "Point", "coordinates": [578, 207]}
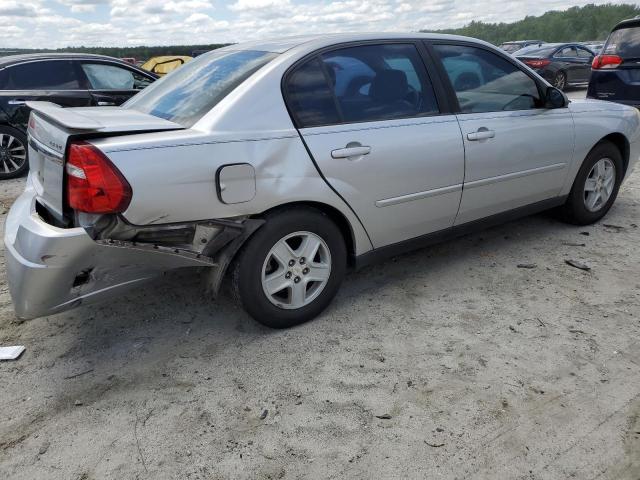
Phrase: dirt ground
{"type": "Point", "coordinates": [478, 368]}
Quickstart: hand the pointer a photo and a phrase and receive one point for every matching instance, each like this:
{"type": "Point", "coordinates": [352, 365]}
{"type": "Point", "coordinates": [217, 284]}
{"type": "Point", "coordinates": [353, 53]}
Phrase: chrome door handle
{"type": "Point", "coordinates": [17, 102]}
{"type": "Point", "coordinates": [481, 134]}
{"type": "Point", "coordinates": [106, 104]}
{"type": "Point", "coordinates": [348, 152]}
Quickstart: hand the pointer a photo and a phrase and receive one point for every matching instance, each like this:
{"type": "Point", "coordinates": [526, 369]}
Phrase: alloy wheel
{"type": "Point", "coordinates": [599, 184]}
{"type": "Point", "coordinates": [13, 153]}
{"type": "Point", "coordinates": [296, 270]}
{"type": "Point", "coordinates": [560, 81]}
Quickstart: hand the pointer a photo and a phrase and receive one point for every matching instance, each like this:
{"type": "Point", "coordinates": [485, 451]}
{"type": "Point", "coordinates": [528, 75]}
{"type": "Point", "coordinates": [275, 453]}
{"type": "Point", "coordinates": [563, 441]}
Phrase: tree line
{"type": "Point", "coordinates": [579, 24]}
{"type": "Point", "coordinates": [590, 22]}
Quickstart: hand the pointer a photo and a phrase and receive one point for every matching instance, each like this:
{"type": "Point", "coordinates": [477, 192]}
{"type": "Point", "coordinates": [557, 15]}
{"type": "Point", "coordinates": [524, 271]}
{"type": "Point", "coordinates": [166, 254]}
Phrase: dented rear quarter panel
{"type": "Point", "coordinates": [173, 176]}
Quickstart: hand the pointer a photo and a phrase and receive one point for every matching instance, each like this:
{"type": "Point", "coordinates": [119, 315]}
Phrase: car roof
{"type": "Point", "coordinates": [630, 22]}
{"type": "Point", "coordinates": [26, 57]}
{"type": "Point", "coordinates": [281, 45]}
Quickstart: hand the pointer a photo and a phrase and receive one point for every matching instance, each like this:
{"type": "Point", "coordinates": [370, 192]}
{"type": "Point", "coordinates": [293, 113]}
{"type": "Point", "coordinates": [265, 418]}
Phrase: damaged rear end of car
{"type": "Point", "coordinates": [67, 241]}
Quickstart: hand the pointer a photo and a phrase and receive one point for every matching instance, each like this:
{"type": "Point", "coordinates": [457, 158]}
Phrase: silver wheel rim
{"type": "Point", "coordinates": [599, 184]}
{"type": "Point", "coordinates": [560, 81]}
{"type": "Point", "coordinates": [13, 153]}
{"type": "Point", "coordinates": [296, 270]}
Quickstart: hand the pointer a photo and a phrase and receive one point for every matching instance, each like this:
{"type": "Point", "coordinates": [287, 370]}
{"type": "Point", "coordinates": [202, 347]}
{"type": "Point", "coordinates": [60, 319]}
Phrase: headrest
{"type": "Point", "coordinates": [389, 86]}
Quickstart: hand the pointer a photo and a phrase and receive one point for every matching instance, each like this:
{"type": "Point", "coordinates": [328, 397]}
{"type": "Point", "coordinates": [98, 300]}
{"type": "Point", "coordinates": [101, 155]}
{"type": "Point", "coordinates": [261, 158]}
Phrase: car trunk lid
{"type": "Point", "coordinates": [52, 127]}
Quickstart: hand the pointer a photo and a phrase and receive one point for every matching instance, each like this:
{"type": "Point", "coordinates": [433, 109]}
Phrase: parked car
{"type": "Point", "coordinates": [511, 47]}
{"type": "Point", "coordinates": [561, 64]}
{"type": "Point", "coordinates": [69, 80]}
{"type": "Point", "coordinates": [595, 47]}
{"type": "Point", "coordinates": [163, 65]}
{"type": "Point", "coordinates": [283, 163]}
{"type": "Point", "coordinates": [615, 72]}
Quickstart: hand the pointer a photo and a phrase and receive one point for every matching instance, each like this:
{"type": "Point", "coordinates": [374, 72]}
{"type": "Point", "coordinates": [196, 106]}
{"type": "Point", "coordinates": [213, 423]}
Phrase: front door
{"type": "Point", "coordinates": [585, 57]}
{"type": "Point", "coordinates": [517, 152]}
{"type": "Point", "coordinates": [369, 116]}
{"type": "Point", "coordinates": [112, 85]}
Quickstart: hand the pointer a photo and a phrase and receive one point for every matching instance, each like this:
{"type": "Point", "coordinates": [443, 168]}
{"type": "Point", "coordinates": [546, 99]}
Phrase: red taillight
{"type": "Point", "coordinates": [94, 184]}
{"type": "Point", "coordinates": [537, 63]}
{"type": "Point", "coordinates": [606, 61]}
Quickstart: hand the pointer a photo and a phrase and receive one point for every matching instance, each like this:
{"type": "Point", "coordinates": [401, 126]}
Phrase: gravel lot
{"type": "Point", "coordinates": [478, 368]}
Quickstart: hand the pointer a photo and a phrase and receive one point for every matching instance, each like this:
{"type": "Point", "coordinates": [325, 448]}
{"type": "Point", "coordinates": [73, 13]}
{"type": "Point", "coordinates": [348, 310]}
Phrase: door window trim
{"type": "Point", "coordinates": [438, 90]}
{"type": "Point", "coordinates": [444, 78]}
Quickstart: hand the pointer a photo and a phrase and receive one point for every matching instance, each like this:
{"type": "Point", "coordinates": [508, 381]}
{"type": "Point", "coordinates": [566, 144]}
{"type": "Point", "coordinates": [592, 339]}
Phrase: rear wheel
{"type": "Point", "coordinates": [290, 269]}
{"type": "Point", "coordinates": [596, 185]}
{"type": "Point", "coordinates": [13, 152]}
{"type": "Point", "coordinates": [560, 80]}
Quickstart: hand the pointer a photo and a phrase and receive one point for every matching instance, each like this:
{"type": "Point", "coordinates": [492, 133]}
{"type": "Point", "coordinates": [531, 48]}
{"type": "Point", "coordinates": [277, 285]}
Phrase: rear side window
{"type": "Point", "coordinates": [111, 77]}
{"type": "Point", "coordinates": [194, 89]}
{"type": "Point", "coordinates": [361, 84]}
{"type": "Point", "coordinates": [44, 75]}
{"type": "Point", "coordinates": [309, 95]}
{"type": "Point", "coordinates": [485, 82]}
{"type": "Point", "coordinates": [624, 42]}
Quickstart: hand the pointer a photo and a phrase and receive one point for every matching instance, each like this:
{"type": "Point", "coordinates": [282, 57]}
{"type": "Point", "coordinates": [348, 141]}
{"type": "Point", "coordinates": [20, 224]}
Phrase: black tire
{"type": "Point", "coordinates": [574, 210]}
{"type": "Point", "coordinates": [560, 80]}
{"type": "Point", "coordinates": [7, 161]}
{"type": "Point", "coordinates": [247, 268]}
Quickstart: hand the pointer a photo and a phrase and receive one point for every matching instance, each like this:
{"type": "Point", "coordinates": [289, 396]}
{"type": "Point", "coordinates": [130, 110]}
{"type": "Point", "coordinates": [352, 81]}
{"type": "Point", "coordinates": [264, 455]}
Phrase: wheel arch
{"type": "Point", "coordinates": [333, 213]}
{"type": "Point", "coordinates": [622, 143]}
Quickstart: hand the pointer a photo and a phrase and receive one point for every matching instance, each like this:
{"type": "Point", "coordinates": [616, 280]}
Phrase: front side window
{"type": "Point", "coordinates": [583, 53]}
{"type": "Point", "coordinates": [186, 95]}
{"type": "Point", "coordinates": [42, 75]}
{"type": "Point", "coordinates": [361, 84]}
{"type": "Point", "coordinates": [111, 77]}
{"type": "Point", "coordinates": [485, 82]}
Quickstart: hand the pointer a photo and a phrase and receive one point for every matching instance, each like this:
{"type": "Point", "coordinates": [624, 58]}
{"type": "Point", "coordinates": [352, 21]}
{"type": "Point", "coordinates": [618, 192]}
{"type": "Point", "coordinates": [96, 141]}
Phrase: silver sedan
{"type": "Point", "coordinates": [281, 164]}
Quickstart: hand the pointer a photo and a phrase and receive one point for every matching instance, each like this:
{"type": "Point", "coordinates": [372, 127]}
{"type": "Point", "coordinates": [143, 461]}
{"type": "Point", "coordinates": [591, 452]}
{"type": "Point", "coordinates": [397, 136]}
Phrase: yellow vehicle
{"type": "Point", "coordinates": [163, 65]}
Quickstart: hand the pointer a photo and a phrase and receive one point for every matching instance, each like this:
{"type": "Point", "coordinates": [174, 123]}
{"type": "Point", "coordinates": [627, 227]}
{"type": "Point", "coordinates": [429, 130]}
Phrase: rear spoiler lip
{"type": "Point", "coordinates": [71, 119]}
{"type": "Point", "coordinates": [65, 118]}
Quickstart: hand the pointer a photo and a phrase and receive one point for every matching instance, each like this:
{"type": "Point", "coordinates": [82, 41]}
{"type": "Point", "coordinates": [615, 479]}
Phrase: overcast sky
{"type": "Point", "coordinates": [60, 23]}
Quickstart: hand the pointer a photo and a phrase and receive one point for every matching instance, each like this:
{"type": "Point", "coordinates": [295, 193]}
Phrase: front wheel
{"type": "Point", "coordinates": [596, 186]}
{"type": "Point", "coordinates": [291, 268]}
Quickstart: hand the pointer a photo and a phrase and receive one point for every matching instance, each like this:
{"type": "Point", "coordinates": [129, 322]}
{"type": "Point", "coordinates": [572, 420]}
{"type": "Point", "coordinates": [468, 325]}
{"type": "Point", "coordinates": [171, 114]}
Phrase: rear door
{"type": "Point", "coordinates": [55, 81]}
{"type": "Point", "coordinates": [369, 117]}
{"type": "Point", "coordinates": [517, 152]}
{"type": "Point", "coordinates": [111, 84]}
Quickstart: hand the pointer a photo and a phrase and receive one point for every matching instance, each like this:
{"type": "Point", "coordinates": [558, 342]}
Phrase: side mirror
{"type": "Point", "coordinates": [554, 98]}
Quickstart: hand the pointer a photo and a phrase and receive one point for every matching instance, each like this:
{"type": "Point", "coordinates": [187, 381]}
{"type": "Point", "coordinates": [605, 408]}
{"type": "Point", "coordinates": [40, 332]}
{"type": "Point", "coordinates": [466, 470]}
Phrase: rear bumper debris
{"type": "Point", "coordinates": [53, 269]}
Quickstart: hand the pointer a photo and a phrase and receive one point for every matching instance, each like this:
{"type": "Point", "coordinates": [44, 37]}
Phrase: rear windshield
{"type": "Point", "coordinates": [510, 47]}
{"type": "Point", "coordinates": [187, 94]}
{"type": "Point", "coordinates": [536, 51]}
{"type": "Point", "coordinates": [624, 43]}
